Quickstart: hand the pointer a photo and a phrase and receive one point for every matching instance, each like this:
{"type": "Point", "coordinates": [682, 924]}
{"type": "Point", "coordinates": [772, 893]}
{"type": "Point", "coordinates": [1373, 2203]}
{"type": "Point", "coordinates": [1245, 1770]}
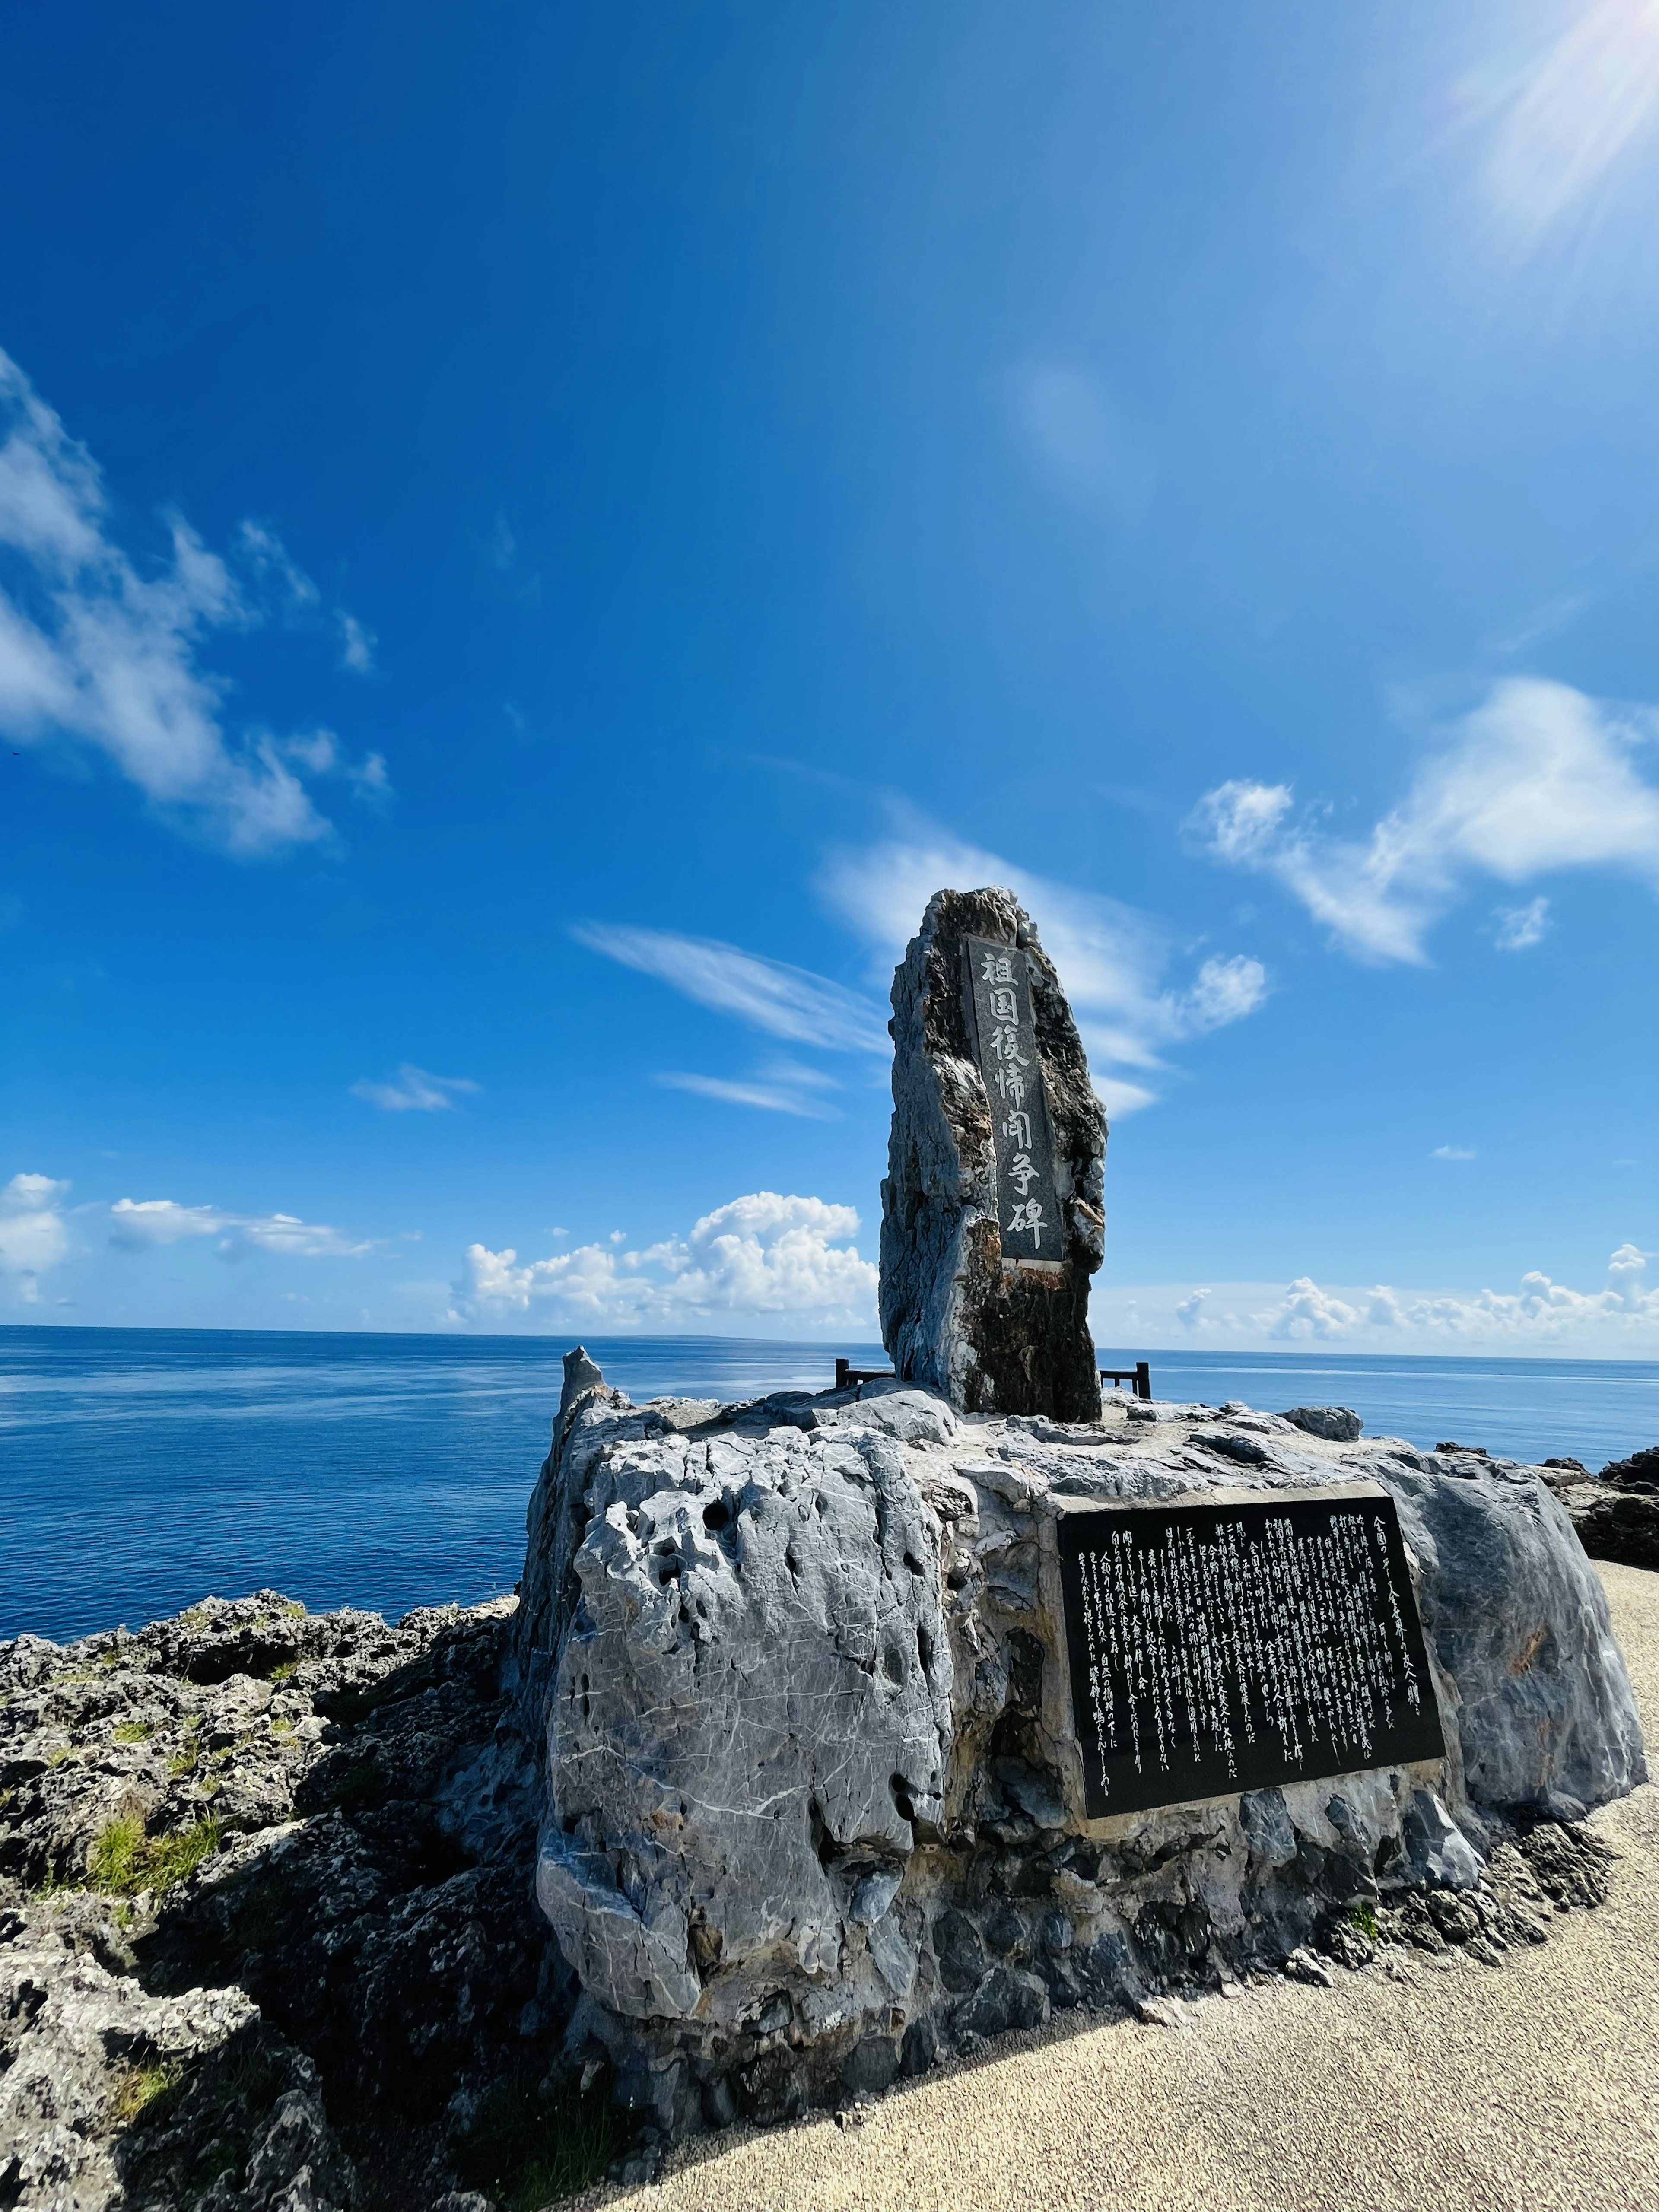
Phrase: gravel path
{"type": "Point", "coordinates": [1535, 2084]}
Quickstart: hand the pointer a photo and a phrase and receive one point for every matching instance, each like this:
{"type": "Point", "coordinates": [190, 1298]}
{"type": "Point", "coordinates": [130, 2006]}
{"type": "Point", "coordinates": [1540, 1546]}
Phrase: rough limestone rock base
{"type": "Point", "coordinates": [1616, 1512]}
{"type": "Point", "coordinates": [307, 2009]}
{"type": "Point", "coordinates": [952, 1318]}
{"type": "Point", "coordinates": [800, 1692]}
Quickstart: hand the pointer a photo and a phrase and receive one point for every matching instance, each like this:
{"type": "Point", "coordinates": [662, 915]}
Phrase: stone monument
{"type": "Point", "coordinates": [992, 1208]}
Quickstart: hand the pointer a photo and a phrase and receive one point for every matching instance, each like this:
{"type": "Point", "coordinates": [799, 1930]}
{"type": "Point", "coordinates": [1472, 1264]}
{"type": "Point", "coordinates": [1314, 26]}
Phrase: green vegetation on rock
{"type": "Point", "coordinates": [528, 2148]}
{"type": "Point", "coordinates": [140, 2087]}
{"type": "Point", "coordinates": [124, 1859]}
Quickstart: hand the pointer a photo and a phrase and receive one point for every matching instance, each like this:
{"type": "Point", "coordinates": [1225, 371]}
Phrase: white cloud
{"type": "Point", "coordinates": [357, 644]}
{"type": "Point", "coordinates": [95, 650]}
{"type": "Point", "coordinates": [1451, 1153]}
{"type": "Point", "coordinates": [762, 1254]}
{"type": "Point", "coordinates": [33, 1235]}
{"type": "Point", "coordinates": [320, 754]}
{"type": "Point", "coordinates": [785, 1095]}
{"type": "Point", "coordinates": [1111, 959]}
{"type": "Point", "coordinates": [265, 555]}
{"type": "Point", "coordinates": [1305, 1310]}
{"type": "Point", "coordinates": [785, 1002]}
{"type": "Point", "coordinates": [1540, 1314]}
{"type": "Point", "coordinates": [1538, 777]}
{"type": "Point", "coordinates": [414, 1091]}
{"type": "Point", "coordinates": [1225, 991]}
{"type": "Point", "coordinates": [1558, 119]}
{"type": "Point", "coordinates": [1520, 927]}
{"type": "Point", "coordinates": [137, 1224]}
{"type": "Point", "coordinates": [1080, 443]}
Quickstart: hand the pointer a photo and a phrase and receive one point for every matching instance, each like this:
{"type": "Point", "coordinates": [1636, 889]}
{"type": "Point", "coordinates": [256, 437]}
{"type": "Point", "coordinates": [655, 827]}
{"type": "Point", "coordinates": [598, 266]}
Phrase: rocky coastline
{"type": "Point", "coordinates": [298, 1911]}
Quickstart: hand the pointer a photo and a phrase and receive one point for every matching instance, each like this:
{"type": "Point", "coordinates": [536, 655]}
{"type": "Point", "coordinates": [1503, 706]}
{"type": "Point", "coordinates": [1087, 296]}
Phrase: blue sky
{"type": "Point", "coordinates": [532, 540]}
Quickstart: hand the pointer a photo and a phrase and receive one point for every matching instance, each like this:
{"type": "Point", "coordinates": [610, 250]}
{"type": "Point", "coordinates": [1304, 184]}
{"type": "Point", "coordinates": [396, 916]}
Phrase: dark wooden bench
{"type": "Point", "coordinates": [846, 1375]}
{"type": "Point", "coordinates": [1139, 1377]}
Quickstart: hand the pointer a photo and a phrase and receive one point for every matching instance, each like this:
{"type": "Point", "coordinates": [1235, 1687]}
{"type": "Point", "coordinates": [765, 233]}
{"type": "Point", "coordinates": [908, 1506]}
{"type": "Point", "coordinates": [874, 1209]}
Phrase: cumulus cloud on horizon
{"type": "Point", "coordinates": [1536, 779]}
{"type": "Point", "coordinates": [765, 1252]}
{"type": "Point", "coordinates": [1623, 1316]}
{"type": "Point", "coordinates": [98, 651]}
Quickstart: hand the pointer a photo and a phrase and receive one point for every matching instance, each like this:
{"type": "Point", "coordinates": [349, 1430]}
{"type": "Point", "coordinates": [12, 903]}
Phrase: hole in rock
{"type": "Point", "coordinates": [893, 1660]}
{"type": "Point", "coordinates": [925, 1649]}
{"type": "Point", "coordinates": [901, 1789]}
{"type": "Point", "coordinates": [912, 1563]}
{"type": "Point", "coordinates": [717, 1517]}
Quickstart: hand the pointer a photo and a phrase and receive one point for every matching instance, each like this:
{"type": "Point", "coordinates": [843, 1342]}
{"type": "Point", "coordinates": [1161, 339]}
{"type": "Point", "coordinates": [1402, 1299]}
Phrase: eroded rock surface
{"type": "Point", "coordinates": [956, 1315]}
{"type": "Point", "coordinates": [267, 1929]}
{"type": "Point", "coordinates": [807, 1815]}
{"type": "Point", "coordinates": [756, 1799]}
{"type": "Point", "coordinates": [1616, 1512]}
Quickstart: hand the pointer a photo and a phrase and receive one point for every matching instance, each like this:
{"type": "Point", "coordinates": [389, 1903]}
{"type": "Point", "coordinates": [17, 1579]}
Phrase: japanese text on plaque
{"type": "Point", "coordinates": [1215, 1648]}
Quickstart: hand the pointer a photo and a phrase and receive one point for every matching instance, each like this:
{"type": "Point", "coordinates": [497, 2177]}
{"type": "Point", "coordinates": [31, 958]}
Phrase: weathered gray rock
{"type": "Point", "coordinates": [1338, 1425]}
{"type": "Point", "coordinates": [810, 1812]}
{"type": "Point", "coordinates": [267, 1927]}
{"type": "Point", "coordinates": [958, 1313]}
{"type": "Point", "coordinates": [801, 1790]}
{"type": "Point", "coordinates": [1616, 1513]}
{"type": "Point", "coordinates": [1639, 1472]}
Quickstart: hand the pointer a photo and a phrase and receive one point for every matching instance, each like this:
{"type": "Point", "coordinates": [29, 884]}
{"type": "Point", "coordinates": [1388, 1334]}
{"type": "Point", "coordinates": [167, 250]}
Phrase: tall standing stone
{"type": "Point", "coordinates": [992, 1211]}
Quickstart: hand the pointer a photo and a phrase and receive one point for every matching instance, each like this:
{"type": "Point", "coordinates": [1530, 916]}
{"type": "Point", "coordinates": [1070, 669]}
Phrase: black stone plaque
{"type": "Point", "coordinates": [1219, 1647]}
{"type": "Point", "coordinates": [1028, 1208]}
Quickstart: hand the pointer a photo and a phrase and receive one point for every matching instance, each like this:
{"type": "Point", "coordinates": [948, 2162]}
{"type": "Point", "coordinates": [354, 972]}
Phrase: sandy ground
{"type": "Point", "coordinates": [1535, 2084]}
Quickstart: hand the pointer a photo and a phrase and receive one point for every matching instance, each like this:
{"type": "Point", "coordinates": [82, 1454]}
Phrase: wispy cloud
{"type": "Point", "coordinates": [414, 1091]}
{"type": "Point", "coordinates": [137, 1224]}
{"type": "Point", "coordinates": [93, 650]}
{"type": "Point", "coordinates": [1537, 778]}
{"type": "Point", "coordinates": [1520, 927]}
{"type": "Point", "coordinates": [1080, 443]}
{"type": "Point", "coordinates": [1111, 959]}
{"type": "Point", "coordinates": [267, 559]}
{"type": "Point", "coordinates": [1451, 1153]}
{"type": "Point", "coordinates": [357, 644]}
{"type": "Point", "coordinates": [762, 1254]}
{"type": "Point", "coordinates": [799, 1094]}
{"type": "Point", "coordinates": [768, 995]}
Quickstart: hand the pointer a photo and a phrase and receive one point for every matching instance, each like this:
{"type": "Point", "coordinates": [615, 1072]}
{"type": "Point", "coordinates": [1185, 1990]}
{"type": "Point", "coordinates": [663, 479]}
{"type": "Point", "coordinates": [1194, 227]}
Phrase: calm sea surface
{"type": "Point", "coordinates": [141, 1469]}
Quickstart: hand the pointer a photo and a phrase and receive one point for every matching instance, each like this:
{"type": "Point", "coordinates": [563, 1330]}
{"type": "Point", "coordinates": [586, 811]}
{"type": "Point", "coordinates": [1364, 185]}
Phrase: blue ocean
{"type": "Point", "coordinates": [141, 1469]}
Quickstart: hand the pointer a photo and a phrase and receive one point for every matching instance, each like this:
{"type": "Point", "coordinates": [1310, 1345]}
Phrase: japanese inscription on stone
{"type": "Point", "coordinates": [1027, 1212]}
{"type": "Point", "coordinates": [1222, 1647]}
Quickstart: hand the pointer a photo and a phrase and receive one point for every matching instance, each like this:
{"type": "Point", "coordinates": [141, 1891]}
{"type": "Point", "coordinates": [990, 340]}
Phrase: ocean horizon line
{"type": "Point", "coordinates": [1197, 1355]}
